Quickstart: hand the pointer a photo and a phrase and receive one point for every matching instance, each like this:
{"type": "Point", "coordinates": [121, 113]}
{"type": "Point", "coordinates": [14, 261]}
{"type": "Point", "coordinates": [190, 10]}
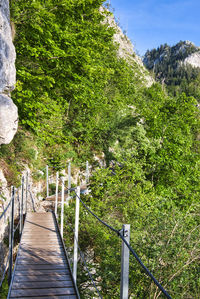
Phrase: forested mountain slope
{"type": "Point", "coordinates": [77, 97]}
{"type": "Point", "coordinates": [177, 66]}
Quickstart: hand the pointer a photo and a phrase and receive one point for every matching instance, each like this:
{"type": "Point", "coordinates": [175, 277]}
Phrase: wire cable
{"type": "Point", "coordinates": [4, 212]}
{"type": "Point", "coordinates": [144, 267]}
{"type": "Point", "coordinates": [32, 200]}
{"type": "Point", "coordinates": [118, 232]}
{"type": "Point", "coordinates": [84, 261]}
{"type": "Point", "coordinates": [104, 223]}
{"type": "Point", "coordinates": [17, 227]}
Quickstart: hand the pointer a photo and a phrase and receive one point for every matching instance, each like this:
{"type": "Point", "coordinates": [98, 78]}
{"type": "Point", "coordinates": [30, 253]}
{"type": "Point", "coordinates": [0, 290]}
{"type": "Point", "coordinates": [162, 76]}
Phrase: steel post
{"type": "Point", "coordinates": [125, 263]}
{"type": "Point", "coordinates": [69, 181]}
{"type": "Point", "coordinates": [21, 206]}
{"type": "Point", "coordinates": [47, 179]}
{"type": "Point", "coordinates": [11, 236]}
{"type": "Point", "coordinates": [62, 207]}
{"type": "Point", "coordinates": [76, 235]}
{"type": "Point", "coordinates": [26, 206]}
{"type": "Point", "coordinates": [56, 199]}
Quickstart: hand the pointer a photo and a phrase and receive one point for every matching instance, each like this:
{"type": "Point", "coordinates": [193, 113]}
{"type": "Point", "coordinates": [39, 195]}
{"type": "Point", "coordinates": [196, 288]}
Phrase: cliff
{"type": "Point", "coordinates": [8, 111]}
{"type": "Point", "coordinates": [126, 51]}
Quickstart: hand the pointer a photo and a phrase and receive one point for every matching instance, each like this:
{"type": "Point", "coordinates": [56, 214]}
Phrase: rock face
{"type": "Point", "coordinates": [126, 51]}
{"type": "Point", "coordinates": [8, 111]}
{"type": "Point", "coordinates": [193, 59]}
{"type": "Point", "coordinates": [8, 119]}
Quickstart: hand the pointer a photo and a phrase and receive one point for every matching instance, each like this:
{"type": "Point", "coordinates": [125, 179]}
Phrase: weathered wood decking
{"type": "Point", "coordinates": [42, 269]}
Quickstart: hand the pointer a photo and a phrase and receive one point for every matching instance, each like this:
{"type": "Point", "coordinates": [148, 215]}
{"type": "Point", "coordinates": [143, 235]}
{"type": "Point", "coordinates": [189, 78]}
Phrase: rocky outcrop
{"type": "Point", "coordinates": [193, 60]}
{"type": "Point", "coordinates": [8, 111]}
{"type": "Point", "coordinates": [126, 51]}
{"type": "Point", "coordinates": [8, 119]}
{"type": "Point", "coordinates": [173, 64]}
{"type": "Point", "coordinates": [183, 53]}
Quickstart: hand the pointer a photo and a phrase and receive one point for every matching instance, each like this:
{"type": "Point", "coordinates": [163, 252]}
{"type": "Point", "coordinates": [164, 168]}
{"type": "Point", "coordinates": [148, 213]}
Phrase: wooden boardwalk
{"type": "Point", "coordinates": [42, 268]}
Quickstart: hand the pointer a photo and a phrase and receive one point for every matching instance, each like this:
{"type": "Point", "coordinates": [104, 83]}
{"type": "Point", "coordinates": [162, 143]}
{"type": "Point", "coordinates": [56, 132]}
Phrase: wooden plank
{"type": "Point", "coordinates": [42, 272]}
{"type": "Point", "coordinates": [52, 236]}
{"type": "Point", "coordinates": [44, 237]}
{"type": "Point", "coordinates": [47, 260]}
{"type": "Point", "coordinates": [34, 220]}
{"type": "Point", "coordinates": [38, 225]}
{"type": "Point", "coordinates": [32, 232]}
{"type": "Point", "coordinates": [41, 267]}
{"type": "Point", "coordinates": [42, 284]}
{"type": "Point", "coordinates": [44, 240]}
{"type": "Point", "coordinates": [42, 246]}
{"type": "Point", "coordinates": [43, 255]}
{"type": "Point", "coordinates": [42, 292]}
{"type": "Point", "coordinates": [39, 228]}
{"type": "Point", "coordinates": [50, 277]}
{"type": "Point", "coordinates": [44, 233]}
{"type": "Point", "coordinates": [40, 241]}
{"type": "Point", "coordinates": [52, 297]}
{"type": "Point", "coordinates": [47, 243]}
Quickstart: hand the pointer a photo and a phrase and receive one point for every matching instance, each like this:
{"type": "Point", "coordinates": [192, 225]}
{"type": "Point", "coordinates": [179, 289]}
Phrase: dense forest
{"type": "Point", "coordinates": [168, 65]}
{"type": "Point", "coordinates": [77, 98]}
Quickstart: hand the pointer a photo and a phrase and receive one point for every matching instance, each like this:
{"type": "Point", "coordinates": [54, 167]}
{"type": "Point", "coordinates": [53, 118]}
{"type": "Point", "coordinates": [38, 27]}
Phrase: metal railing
{"type": "Point", "coordinates": [16, 212]}
{"type": "Point", "coordinates": [123, 234]}
{"type": "Point", "coordinates": [12, 230]}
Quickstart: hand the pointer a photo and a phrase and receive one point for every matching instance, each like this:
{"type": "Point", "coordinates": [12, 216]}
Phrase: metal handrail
{"type": "Point", "coordinates": [118, 232]}
{"type": "Point", "coordinates": [5, 210]}
{"type": "Point", "coordinates": [84, 261]}
{"type": "Point", "coordinates": [65, 253]}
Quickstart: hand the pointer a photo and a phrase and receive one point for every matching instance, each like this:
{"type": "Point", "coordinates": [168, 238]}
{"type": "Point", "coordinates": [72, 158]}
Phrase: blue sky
{"type": "Point", "coordinates": [150, 23]}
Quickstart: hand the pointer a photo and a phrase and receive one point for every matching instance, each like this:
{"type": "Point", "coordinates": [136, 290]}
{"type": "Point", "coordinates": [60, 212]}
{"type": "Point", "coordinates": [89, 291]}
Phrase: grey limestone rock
{"type": "Point", "coordinates": [7, 50]}
{"type": "Point", "coordinates": [8, 111]}
{"type": "Point", "coordinates": [193, 60]}
{"type": "Point", "coordinates": [8, 119]}
{"type": "Point", "coordinates": [126, 50]}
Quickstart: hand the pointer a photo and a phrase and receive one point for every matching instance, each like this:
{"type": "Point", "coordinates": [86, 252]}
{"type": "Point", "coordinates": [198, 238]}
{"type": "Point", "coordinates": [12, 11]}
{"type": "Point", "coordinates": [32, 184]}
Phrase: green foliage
{"type": "Point", "coordinates": [4, 289]}
{"type": "Point", "coordinates": [153, 184]}
{"type": "Point", "coordinates": [164, 237]}
{"type": "Point", "coordinates": [174, 122]}
{"type": "Point", "coordinates": [70, 60]}
{"type": "Point", "coordinates": [76, 97]}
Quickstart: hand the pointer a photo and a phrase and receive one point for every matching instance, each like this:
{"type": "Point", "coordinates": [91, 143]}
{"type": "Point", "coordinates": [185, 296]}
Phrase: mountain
{"type": "Point", "coordinates": [126, 51]}
{"type": "Point", "coordinates": [177, 66]}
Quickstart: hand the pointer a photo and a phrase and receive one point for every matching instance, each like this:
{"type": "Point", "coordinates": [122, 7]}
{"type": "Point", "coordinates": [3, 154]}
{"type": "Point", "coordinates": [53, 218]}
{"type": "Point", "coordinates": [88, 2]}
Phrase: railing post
{"type": "Point", "coordinates": [47, 179]}
{"type": "Point", "coordinates": [11, 236]}
{"type": "Point", "coordinates": [125, 263]}
{"type": "Point", "coordinates": [69, 181]}
{"type": "Point", "coordinates": [76, 235]}
{"type": "Point", "coordinates": [62, 206]}
{"type": "Point", "coordinates": [56, 200]}
{"type": "Point", "coordinates": [31, 197]}
{"type": "Point", "coordinates": [21, 206]}
{"type": "Point", "coordinates": [26, 192]}
{"type": "Point", "coordinates": [18, 200]}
